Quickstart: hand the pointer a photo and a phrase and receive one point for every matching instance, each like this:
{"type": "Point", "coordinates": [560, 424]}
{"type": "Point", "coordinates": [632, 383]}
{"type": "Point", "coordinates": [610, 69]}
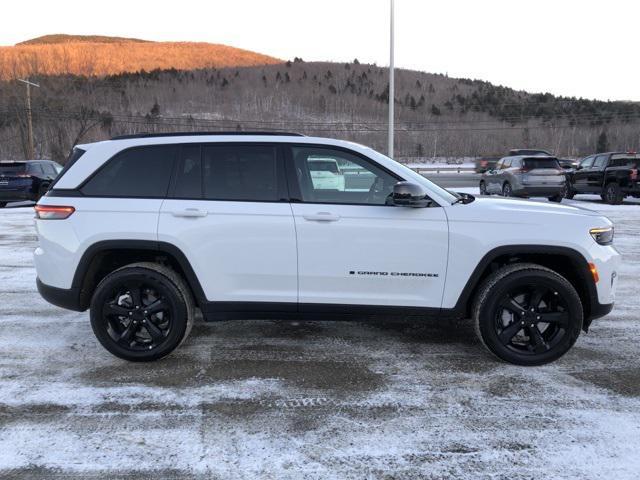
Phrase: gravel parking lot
{"type": "Point", "coordinates": [323, 400]}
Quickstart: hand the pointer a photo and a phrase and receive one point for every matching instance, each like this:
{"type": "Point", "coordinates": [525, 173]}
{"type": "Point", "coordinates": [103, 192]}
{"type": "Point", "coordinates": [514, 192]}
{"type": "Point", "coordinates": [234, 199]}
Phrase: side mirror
{"type": "Point", "coordinates": [578, 167]}
{"type": "Point", "coordinates": [407, 194]}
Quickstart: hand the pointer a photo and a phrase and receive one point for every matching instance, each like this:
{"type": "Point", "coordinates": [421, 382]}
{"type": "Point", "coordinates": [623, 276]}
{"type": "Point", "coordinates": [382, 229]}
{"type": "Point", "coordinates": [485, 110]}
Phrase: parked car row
{"type": "Point", "coordinates": [527, 172]}
{"type": "Point", "coordinates": [26, 180]}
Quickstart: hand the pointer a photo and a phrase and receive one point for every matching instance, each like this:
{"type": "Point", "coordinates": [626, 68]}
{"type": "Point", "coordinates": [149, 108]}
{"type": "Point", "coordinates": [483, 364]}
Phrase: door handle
{"type": "Point", "coordinates": [190, 213]}
{"type": "Point", "coordinates": [321, 217]}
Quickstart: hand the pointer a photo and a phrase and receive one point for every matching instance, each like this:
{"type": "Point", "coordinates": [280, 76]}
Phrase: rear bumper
{"type": "Point", "coordinates": [60, 297]}
{"type": "Point", "coordinates": [539, 191]}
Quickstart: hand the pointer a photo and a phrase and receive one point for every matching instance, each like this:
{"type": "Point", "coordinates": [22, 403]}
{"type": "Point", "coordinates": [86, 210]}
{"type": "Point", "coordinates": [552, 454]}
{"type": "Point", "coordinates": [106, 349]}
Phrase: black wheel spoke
{"type": "Point", "coordinates": [154, 331]}
{"type": "Point", "coordinates": [536, 340]}
{"type": "Point", "coordinates": [115, 309]}
{"type": "Point", "coordinates": [509, 332]}
{"type": "Point", "coordinates": [156, 307]}
{"type": "Point", "coordinates": [127, 334]}
{"type": "Point", "coordinates": [536, 297]}
{"type": "Point", "coordinates": [513, 306]}
{"type": "Point", "coordinates": [561, 318]}
{"type": "Point", "coordinates": [135, 291]}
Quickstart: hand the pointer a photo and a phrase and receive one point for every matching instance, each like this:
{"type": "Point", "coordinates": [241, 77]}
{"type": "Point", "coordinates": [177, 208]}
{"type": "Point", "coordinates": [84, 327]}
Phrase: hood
{"type": "Point", "coordinates": [517, 205]}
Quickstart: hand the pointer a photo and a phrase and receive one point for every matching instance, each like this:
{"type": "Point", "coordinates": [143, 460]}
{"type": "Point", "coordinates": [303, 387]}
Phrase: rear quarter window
{"type": "Point", "coordinates": [141, 172]}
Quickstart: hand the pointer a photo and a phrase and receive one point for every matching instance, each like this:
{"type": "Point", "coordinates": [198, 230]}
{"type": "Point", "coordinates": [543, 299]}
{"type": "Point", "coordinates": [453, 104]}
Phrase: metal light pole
{"type": "Point", "coordinates": [391, 86]}
{"type": "Point", "coordinates": [30, 148]}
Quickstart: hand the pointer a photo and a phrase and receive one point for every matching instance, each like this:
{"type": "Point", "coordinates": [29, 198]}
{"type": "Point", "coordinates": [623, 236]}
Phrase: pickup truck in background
{"type": "Point", "coordinates": [612, 175]}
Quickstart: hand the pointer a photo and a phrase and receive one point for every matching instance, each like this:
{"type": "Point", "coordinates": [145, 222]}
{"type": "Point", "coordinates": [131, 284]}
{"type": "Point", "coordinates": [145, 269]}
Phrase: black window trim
{"type": "Point", "coordinates": [292, 178]}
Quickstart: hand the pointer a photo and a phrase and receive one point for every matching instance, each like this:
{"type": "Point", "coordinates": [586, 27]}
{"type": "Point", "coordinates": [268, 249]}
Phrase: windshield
{"type": "Point", "coordinates": [410, 174]}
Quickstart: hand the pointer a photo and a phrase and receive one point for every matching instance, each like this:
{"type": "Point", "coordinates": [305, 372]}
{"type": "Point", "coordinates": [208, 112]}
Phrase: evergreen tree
{"type": "Point", "coordinates": [603, 143]}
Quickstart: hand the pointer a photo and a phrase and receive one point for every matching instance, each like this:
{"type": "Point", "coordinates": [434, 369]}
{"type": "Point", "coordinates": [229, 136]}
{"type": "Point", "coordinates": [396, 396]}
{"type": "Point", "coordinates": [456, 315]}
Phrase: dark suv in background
{"type": "Point", "coordinates": [26, 180]}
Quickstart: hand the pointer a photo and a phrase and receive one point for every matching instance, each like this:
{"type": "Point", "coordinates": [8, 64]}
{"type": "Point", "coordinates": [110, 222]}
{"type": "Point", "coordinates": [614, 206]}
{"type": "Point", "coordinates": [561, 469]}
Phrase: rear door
{"type": "Point", "coordinates": [228, 212]}
{"type": "Point", "coordinates": [354, 248]}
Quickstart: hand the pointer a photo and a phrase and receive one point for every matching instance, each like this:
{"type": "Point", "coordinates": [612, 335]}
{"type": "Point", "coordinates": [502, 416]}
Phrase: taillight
{"type": "Point", "coordinates": [634, 174]}
{"type": "Point", "coordinates": [50, 212]}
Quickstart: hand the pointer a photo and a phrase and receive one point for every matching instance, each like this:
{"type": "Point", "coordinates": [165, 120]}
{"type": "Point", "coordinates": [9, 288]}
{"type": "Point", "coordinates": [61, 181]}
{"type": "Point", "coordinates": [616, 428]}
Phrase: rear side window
{"type": "Point", "coordinates": [188, 182]}
{"type": "Point", "coordinates": [12, 168]}
{"type": "Point", "coordinates": [533, 163]}
{"type": "Point", "coordinates": [631, 162]}
{"type": "Point", "coordinates": [34, 169]}
{"type": "Point", "coordinates": [48, 169]}
{"type": "Point", "coordinates": [240, 172]}
{"type": "Point", "coordinates": [142, 172]}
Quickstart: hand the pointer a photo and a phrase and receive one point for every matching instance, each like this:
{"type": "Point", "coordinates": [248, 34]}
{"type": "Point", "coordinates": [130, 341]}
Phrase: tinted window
{"type": "Point", "coordinates": [189, 173]}
{"type": "Point", "coordinates": [350, 179]}
{"type": "Point", "coordinates": [12, 168]}
{"type": "Point", "coordinates": [587, 162]}
{"type": "Point", "coordinates": [137, 172]}
{"type": "Point", "coordinates": [240, 172]}
{"type": "Point", "coordinates": [34, 169]}
{"type": "Point", "coordinates": [533, 163]}
{"type": "Point", "coordinates": [600, 161]}
{"type": "Point", "coordinates": [631, 162]}
{"type": "Point", "coordinates": [49, 170]}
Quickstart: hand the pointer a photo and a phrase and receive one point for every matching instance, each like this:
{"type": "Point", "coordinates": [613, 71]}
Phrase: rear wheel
{"type": "Point", "coordinates": [483, 188]}
{"type": "Point", "coordinates": [556, 198]}
{"type": "Point", "coordinates": [507, 190]}
{"type": "Point", "coordinates": [142, 312]}
{"type": "Point", "coordinates": [3, 204]}
{"type": "Point", "coordinates": [612, 194]}
{"type": "Point", "coordinates": [527, 314]}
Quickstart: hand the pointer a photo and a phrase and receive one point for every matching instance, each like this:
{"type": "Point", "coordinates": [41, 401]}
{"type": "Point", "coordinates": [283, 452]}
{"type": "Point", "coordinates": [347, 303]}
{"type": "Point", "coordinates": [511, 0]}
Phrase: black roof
{"type": "Point", "coordinates": [189, 134]}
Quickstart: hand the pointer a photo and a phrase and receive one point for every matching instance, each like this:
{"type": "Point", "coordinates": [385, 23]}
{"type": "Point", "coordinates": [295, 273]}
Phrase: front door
{"type": "Point", "coordinates": [354, 248]}
{"type": "Point", "coordinates": [581, 175]}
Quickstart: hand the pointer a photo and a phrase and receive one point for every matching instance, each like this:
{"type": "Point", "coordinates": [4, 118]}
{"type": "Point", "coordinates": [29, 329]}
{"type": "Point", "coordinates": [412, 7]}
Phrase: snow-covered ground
{"type": "Point", "coordinates": [324, 400]}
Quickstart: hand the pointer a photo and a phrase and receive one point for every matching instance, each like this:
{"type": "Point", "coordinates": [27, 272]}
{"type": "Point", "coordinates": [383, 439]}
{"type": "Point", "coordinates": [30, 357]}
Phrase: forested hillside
{"type": "Point", "coordinates": [435, 115]}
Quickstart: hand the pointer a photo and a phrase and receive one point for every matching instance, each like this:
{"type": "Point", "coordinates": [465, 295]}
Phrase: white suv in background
{"type": "Point", "coordinates": [145, 229]}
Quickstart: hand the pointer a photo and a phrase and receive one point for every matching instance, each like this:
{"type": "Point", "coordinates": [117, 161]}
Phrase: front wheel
{"type": "Point", "coordinates": [527, 314]}
{"type": "Point", "coordinates": [142, 312]}
{"type": "Point", "coordinates": [507, 190]}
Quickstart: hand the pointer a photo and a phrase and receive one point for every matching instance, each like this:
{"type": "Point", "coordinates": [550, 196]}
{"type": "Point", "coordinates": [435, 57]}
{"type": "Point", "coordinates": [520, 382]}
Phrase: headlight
{"type": "Point", "coordinates": [603, 236]}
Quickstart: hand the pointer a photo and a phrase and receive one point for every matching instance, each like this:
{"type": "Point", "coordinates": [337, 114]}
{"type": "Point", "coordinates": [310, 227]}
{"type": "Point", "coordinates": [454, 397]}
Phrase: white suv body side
{"type": "Point", "coordinates": [248, 251]}
{"type": "Point", "coordinates": [297, 255]}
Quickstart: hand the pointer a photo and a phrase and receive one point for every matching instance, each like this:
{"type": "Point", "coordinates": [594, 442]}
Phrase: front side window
{"type": "Point", "coordinates": [326, 175]}
{"type": "Point", "coordinates": [141, 172]}
{"type": "Point", "coordinates": [587, 162]}
{"type": "Point", "coordinates": [240, 172]}
{"type": "Point", "coordinates": [600, 161]}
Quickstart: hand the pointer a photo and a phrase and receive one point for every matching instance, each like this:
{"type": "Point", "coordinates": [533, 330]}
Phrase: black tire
{"type": "Point", "coordinates": [507, 190]}
{"type": "Point", "coordinates": [612, 194]}
{"type": "Point", "coordinates": [568, 192]}
{"type": "Point", "coordinates": [143, 336]}
{"type": "Point", "coordinates": [3, 204]}
{"type": "Point", "coordinates": [483, 188]}
{"type": "Point", "coordinates": [511, 330]}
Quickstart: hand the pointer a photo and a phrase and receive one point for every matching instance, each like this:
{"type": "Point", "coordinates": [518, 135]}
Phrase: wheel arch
{"type": "Point", "coordinates": [566, 261]}
{"type": "Point", "coordinates": [104, 257]}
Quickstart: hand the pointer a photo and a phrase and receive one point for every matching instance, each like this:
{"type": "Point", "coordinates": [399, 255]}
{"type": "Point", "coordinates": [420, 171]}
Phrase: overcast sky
{"type": "Point", "coordinates": [577, 48]}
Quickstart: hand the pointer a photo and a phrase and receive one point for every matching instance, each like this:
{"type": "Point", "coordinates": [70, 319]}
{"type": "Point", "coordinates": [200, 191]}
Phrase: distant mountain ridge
{"type": "Point", "coordinates": [94, 55]}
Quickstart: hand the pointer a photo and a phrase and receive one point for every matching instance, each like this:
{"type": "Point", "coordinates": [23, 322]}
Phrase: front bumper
{"type": "Point", "coordinates": [60, 297]}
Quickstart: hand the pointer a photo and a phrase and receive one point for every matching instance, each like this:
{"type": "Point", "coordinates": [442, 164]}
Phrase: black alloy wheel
{"type": "Point", "coordinates": [527, 314]}
{"type": "Point", "coordinates": [141, 312]}
{"type": "Point", "coordinates": [613, 194]}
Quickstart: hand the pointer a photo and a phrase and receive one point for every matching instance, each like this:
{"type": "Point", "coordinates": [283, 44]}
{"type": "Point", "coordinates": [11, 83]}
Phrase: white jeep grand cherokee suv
{"type": "Point", "coordinates": [145, 229]}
